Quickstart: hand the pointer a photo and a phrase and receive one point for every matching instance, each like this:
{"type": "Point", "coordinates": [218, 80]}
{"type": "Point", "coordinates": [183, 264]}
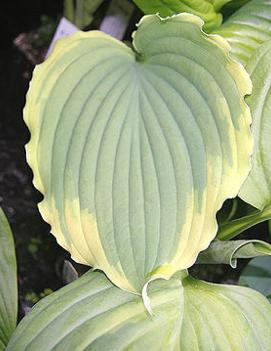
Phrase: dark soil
{"type": "Point", "coordinates": [39, 257]}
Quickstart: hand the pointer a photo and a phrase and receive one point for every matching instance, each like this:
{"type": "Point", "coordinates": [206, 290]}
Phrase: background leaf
{"type": "Point", "coordinates": [257, 275]}
{"type": "Point", "coordinates": [69, 273]}
{"type": "Point", "coordinates": [233, 5]}
{"type": "Point", "coordinates": [247, 28]}
{"type": "Point", "coordinates": [257, 188]}
{"type": "Point", "coordinates": [232, 228]}
{"type": "Point", "coordinates": [206, 9]}
{"type": "Point", "coordinates": [228, 252]}
{"type": "Point", "coordinates": [131, 176]}
{"type": "Point", "coordinates": [8, 283]}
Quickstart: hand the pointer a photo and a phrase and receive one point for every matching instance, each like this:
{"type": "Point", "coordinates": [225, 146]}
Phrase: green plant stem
{"type": "Point", "coordinates": [218, 4]}
{"type": "Point", "coordinates": [233, 228]}
{"type": "Point", "coordinates": [233, 210]}
{"type": "Point", "coordinates": [79, 17]}
{"type": "Point", "coordinates": [69, 10]}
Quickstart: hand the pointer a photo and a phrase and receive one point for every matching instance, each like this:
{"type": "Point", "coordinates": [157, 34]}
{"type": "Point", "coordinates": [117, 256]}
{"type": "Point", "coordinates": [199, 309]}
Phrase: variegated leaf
{"type": "Point", "coordinates": [135, 150]}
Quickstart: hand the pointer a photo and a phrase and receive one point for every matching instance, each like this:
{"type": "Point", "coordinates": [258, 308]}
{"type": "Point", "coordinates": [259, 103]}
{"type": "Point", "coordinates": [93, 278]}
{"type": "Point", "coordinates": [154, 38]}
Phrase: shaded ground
{"type": "Point", "coordinates": [37, 252]}
{"type": "Point", "coordinates": [40, 259]}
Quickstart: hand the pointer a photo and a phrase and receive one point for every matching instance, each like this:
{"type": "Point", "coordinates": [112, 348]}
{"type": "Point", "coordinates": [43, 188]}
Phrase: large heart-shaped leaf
{"type": "Point", "coordinates": [248, 28]}
{"type": "Point", "coordinates": [257, 188]}
{"type": "Point", "coordinates": [92, 314]}
{"type": "Point", "coordinates": [136, 150]}
{"type": "Point", "coordinates": [8, 283]}
{"type": "Point", "coordinates": [208, 10]}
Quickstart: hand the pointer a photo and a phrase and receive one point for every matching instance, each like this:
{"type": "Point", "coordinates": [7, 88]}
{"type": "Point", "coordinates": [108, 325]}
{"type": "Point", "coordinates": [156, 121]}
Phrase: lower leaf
{"type": "Point", "coordinates": [224, 317]}
{"type": "Point", "coordinates": [8, 283]}
{"type": "Point", "coordinates": [92, 314]}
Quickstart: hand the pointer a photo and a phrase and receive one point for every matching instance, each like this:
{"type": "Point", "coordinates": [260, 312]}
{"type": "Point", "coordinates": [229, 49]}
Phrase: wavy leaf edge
{"type": "Point", "coordinates": [238, 73]}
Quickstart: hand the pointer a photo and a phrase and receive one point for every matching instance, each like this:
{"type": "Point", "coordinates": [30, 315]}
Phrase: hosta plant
{"type": "Point", "coordinates": [135, 150]}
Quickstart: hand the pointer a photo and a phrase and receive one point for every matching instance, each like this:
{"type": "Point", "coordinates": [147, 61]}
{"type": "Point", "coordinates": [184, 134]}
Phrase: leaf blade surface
{"type": "Point", "coordinates": [256, 189]}
{"type": "Point", "coordinates": [92, 314]}
{"type": "Point", "coordinates": [8, 283]}
{"type": "Point", "coordinates": [132, 178]}
{"type": "Point", "coordinates": [247, 29]}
